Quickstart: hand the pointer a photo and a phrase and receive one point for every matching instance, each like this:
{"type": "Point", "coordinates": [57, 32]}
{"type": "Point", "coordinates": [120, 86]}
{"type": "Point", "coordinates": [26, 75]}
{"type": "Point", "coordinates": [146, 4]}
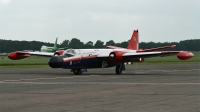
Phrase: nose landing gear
{"type": "Point", "coordinates": [78, 71]}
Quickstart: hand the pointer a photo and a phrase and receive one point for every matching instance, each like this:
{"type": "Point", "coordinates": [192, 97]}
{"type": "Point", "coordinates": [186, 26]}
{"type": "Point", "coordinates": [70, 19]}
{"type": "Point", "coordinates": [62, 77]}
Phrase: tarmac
{"type": "Point", "coordinates": [141, 88]}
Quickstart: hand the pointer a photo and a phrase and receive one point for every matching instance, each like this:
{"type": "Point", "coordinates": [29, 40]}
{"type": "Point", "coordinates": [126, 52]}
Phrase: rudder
{"type": "Point", "coordinates": [55, 44]}
{"type": "Point", "coordinates": [134, 42]}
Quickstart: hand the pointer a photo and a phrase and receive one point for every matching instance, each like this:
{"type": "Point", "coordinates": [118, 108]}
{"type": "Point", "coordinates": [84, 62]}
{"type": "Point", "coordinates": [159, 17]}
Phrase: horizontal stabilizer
{"type": "Point", "coordinates": [114, 47]}
{"type": "Point", "coordinates": [155, 49]}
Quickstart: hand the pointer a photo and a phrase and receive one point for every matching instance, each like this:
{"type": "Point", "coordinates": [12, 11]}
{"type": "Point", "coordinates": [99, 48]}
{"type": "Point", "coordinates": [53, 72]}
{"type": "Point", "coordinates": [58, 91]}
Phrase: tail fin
{"type": "Point", "coordinates": [55, 45]}
{"type": "Point", "coordinates": [134, 42]}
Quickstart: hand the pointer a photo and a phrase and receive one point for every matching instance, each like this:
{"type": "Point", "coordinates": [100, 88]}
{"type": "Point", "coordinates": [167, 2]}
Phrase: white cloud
{"type": "Point", "coordinates": [5, 1]}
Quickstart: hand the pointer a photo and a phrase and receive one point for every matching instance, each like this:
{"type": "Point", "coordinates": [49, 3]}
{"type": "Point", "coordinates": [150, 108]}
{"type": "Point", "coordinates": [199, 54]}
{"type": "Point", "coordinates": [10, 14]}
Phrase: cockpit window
{"type": "Point", "coordinates": [70, 52]}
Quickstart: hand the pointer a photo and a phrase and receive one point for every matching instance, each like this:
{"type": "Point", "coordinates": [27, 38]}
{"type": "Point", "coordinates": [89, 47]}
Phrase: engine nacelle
{"type": "Point", "coordinates": [184, 55]}
{"type": "Point", "coordinates": [116, 56]}
{"type": "Point", "coordinates": [18, 55]}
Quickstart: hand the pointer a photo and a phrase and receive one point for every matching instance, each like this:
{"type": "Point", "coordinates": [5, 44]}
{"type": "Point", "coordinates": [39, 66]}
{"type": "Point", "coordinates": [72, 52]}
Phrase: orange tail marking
{"type": "Point", "coordinates": [134, 42]}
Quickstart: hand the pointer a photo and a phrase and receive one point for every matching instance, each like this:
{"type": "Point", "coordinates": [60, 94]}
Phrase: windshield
{"type": "Point", "coordinates": [69, 52]}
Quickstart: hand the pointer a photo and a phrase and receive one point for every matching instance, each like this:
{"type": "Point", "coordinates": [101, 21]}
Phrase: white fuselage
{"type": "Point", "coordinates": [93, 52]}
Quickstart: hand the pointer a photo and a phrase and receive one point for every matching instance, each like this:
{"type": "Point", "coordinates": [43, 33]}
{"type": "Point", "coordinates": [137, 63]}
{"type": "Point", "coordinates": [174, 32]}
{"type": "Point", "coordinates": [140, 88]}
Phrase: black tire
{"type": "Point", "coordinates": [77, 71]}
{"type": "Point", "coordinates": [118, 69]}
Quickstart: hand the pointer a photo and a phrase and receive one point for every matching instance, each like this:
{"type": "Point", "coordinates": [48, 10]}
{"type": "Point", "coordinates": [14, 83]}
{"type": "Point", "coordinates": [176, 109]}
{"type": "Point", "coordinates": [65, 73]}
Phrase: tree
{"type": "Point", "coordinates": [99, 44]}
{"type": "Point", "coordinates": [7, 46]}
{"type": "Point", "coordinates": [65, 44]}
{"type": "Point", "coordinates": [118, 44]}
{"type": "Point", "coordinates": [124, 44]}
{"type": "Point", "coordinates": [88, 45]}
{"type": "Point", "coordinates": [111, 42]}
{"type": "Point", "coordinates": [76, 44]}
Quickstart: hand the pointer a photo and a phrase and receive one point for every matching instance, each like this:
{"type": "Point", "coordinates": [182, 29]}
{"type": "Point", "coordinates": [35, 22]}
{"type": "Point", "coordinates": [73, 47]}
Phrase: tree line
{"type": "Point", "coordinates": [7, 46]}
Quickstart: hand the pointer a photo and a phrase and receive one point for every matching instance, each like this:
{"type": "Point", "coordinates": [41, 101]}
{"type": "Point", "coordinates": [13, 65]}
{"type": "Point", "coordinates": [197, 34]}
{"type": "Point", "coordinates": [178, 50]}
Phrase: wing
{"type": "Point", "coordinates": [124, 56]}
{"type": "Point", "coordinates": [21, 54]}
{"type": "Point", "coordinates": [45, 54]}
{"type": "Point", "coordinates": [149, 54]}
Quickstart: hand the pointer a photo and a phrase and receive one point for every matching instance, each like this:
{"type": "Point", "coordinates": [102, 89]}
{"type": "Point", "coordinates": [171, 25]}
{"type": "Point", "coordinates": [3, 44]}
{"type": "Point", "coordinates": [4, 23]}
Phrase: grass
{"type": "Point", "coordinates": [31, 62]}
{"type": "Point", "coordinates": [41, 62]}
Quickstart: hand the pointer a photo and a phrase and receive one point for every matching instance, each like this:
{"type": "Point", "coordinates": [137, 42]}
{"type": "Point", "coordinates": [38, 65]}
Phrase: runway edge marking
{"type": "Point", "coordinates": [47, 78]}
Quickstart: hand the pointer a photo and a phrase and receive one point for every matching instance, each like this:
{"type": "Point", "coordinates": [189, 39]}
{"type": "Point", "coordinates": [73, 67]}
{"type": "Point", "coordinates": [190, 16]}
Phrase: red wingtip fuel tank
{"type": "Point", "coordinates": [18, 55]}
{"type": "Point", "coordinates": [184, 55]}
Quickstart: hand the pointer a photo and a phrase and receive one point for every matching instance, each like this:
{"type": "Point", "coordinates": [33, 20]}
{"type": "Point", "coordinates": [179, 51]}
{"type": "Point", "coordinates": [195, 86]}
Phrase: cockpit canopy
{"type": "Point", "coordinates": [69, 52]}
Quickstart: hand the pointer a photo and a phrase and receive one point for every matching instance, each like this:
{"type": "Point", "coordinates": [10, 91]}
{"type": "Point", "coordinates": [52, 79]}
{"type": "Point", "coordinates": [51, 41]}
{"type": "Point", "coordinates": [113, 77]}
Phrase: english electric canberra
{"type": "Point", "coordinates": [79, 60]}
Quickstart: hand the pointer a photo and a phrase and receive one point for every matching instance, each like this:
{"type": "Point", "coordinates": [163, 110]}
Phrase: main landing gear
{"type": "Point", "coordinates": [119, 68]}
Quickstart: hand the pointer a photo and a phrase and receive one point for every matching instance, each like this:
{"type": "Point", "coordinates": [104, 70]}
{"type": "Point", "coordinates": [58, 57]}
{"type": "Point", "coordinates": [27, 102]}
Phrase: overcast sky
{"type": "Point", "coordinates": [92, 20]}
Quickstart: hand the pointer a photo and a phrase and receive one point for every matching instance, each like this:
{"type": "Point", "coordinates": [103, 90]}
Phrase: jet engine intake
{"type": "Point", "coordinates": [59, 52]}
{"type": "Point", "coordinates": [116, 56]}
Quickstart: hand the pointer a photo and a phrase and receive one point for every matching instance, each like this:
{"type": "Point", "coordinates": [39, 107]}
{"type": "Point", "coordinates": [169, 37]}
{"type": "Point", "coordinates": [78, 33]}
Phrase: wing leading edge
{"type": "Point", "coordinates": [21, 54]}
{"type": "Point", "coordinates": [149, 54]}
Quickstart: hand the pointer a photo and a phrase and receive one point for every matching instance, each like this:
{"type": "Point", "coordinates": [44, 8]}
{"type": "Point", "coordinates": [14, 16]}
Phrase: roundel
{"type": "Point", "coordinates": [135, 38]}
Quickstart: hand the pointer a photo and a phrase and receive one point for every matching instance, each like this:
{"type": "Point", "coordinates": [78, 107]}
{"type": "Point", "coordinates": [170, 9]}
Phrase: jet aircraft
{"type": "Point", "coordinates": [50, 49]}
{"type": "Point", "coordinates": [79, 60]}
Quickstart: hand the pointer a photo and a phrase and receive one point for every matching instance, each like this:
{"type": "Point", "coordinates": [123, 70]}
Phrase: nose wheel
{"type": "Point", "coordinates": [77, 71]}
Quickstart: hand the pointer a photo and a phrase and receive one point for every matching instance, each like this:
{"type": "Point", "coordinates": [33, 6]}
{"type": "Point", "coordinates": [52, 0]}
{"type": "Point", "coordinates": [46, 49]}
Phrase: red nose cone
{"type": "Point", "coordinates": [184, 55]}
